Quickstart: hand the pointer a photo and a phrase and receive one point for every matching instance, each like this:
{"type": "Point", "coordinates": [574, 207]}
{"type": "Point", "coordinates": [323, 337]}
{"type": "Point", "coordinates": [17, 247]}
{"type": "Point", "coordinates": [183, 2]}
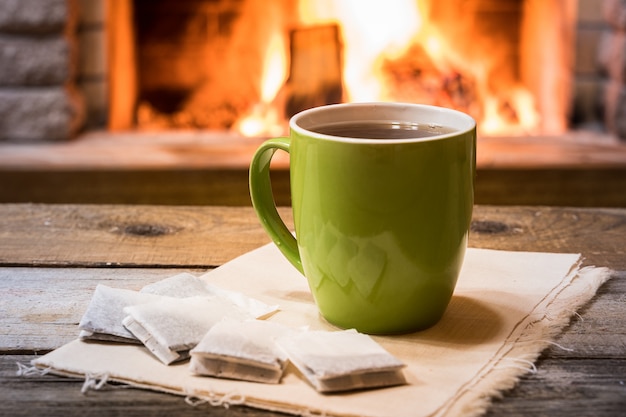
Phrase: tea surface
{"type": "Point", "coordinates": [386, 130]}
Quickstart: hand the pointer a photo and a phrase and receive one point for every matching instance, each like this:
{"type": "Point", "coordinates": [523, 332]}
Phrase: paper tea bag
{"type": "Point", "coordinates": [179, 286]}
{"type": "Point", "coordinates": [188, 285]}
{"type": "Point", "coordinates": [244, 350]}
{"type": "Point", "coordinates": [171, 327]}
{"type": "Point", "coordinates": [342, 360]}
{"type": "Point", "coordinates": [103, 318]}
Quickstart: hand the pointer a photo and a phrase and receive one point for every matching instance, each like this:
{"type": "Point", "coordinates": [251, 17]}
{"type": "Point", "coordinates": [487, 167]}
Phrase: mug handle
{"type": "Point", "coordinates": [264, 203]}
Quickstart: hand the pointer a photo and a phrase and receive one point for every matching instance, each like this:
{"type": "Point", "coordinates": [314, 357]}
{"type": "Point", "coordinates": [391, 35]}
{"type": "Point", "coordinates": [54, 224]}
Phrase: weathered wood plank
{"type": "Point", "coordinates": [586, 381]}
{"type": "Point", "coordinates": [599, 329]}
{"type": "Point", "coordinates": [598, 234]}
{"type": "Point", "coordinates": [89, 235]}
{"type": "Point", "coordinates": [53, 396]}
{"type": "Point", "coordinates": [41, 307]}
{"type": "Point", "coordinates": [165, 236]}
{"type": "Point", "coordinates": [593, 389]}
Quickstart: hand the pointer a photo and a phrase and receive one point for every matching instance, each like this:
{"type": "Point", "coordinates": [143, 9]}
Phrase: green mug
{"type": "Point", "coordinates": [381, 219]}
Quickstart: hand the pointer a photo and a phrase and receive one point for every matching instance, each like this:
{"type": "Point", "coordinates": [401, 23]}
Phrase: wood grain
{"type": "Point", "coordinates": [592, 388]}
{"type": "Point", "coordinates": [167, 236]}
{"type": "Point", "coordinates": [55, 396]}
{"type": "Point", "coordinates": [179, 236]}
{"type": "Point", "coordinates": [598, 234]}
{"type": "Point", "coordinates": [41, 307]}
{"type": "Point", "coordinates": [52, 256]}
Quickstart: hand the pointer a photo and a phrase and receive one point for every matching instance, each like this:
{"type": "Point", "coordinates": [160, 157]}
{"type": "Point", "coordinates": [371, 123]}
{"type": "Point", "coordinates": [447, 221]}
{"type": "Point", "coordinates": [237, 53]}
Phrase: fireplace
{"type": "Point", "coordinates": [247, 65]}
{"type": "Point", "coordinates": [520, 67]}
{"type": "Point", "coordinates": [160, 97]}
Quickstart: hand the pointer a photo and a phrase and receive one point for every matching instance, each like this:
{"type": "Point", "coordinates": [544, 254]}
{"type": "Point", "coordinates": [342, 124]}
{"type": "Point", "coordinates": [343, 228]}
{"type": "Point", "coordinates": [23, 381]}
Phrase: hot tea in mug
{"type": "Point", "coordinates": [382, 197]}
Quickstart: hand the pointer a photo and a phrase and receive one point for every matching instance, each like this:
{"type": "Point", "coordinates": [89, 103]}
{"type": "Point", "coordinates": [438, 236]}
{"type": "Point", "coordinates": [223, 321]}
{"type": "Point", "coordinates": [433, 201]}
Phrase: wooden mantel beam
{"type": "Point", "coordinates": [577, 169]}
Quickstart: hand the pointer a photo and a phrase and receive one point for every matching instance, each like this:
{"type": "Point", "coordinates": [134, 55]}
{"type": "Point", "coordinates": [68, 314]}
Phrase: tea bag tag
{"type": "Point", "coordinates": [187, 285]}
{"type": "Point", "coordinates": [342, 361]}
{"type": "Point", "coordinates": [181, 285]}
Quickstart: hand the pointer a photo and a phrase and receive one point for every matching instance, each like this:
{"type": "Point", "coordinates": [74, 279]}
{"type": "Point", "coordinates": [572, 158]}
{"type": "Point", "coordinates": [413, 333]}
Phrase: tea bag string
{"type": "Point", "coordinates": [94, 382]}
{"type": "Point", "coordinates": [548, 342]}
{"type": "Point", "coordinates": [25, 370]}
{"type": "Point", "coordinates": [216, 400]}
{"type": "Point", "coordinates": [98, 382]}
{"type": "Point", "coordinates": [531, 368]}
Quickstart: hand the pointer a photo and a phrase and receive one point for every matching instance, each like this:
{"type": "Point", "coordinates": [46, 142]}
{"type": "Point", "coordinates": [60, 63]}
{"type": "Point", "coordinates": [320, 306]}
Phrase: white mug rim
{"type": "Point", "coordinates": [462, 122]}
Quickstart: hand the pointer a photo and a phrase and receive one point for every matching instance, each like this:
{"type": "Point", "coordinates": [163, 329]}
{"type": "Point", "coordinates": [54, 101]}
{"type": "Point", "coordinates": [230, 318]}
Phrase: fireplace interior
{"type": "Point", "coordinates": [162, 86]}
{"type": "Point", "coordinates": [520, 67]}
{"type": "Point", "coordinates": [248, 65]}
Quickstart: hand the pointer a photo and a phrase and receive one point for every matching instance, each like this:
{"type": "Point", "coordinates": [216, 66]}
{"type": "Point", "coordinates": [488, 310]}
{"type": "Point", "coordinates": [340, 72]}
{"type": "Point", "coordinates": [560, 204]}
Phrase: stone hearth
{"type": "Point", "coordinates": [38, 67]}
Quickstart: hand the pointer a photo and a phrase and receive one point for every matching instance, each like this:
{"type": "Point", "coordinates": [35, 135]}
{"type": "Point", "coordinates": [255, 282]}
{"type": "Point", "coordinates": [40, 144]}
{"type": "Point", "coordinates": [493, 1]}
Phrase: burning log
{"type": "Point", "coordinates": [315, 76]}
{"type": "Point", "coordinates": [415, 77]}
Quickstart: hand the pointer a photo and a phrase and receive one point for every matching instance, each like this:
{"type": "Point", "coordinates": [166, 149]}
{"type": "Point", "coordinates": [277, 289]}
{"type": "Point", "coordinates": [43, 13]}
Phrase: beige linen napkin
{"type": "Point", "coordinates": [506, 308]}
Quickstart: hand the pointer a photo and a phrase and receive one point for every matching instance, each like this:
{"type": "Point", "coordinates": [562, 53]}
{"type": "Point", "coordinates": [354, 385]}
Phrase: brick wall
{"type": "Point", "coordinates": [38, 66]}
{"type": "Point", "coordinates": [612, 59]}
{"type": "Point", "coordinates": [589, 79]}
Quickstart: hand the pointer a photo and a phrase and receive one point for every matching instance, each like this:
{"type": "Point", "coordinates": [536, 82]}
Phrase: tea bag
{"type": "Point", "coordinates": [171, 327]}
{"type": "Point", "coordinates": [179, 286]}
{"type": "Point", "coordinates": [103, 318]}
{"type": "Point", "coordinates": [188, 285]}
{"type": "Point", "coordinates": [342, 361]}
{"type": "Point", "coordinates": [244, 350]}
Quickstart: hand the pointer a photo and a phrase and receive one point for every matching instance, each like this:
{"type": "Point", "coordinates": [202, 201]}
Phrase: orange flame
{"type": "Point", "coordinates": [377, 35]}
{"type": "Point", "coordinates": [264, 118]}
{"type": "Point", "coordinates": [371, 31]}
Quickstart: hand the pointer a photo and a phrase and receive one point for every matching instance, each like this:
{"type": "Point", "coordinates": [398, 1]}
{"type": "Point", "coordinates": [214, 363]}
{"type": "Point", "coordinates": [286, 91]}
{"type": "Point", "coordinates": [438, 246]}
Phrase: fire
{"type": "Point", "coordinates": [264, 118]}
{"type": "Point", "coordinates": [498, 120]}
{"type": "Point", "coordinates": [275, 72]}
{"type": "Point", "coordinates": [371, 31]}
{"type": "Point", "coordinates": [396, 51]}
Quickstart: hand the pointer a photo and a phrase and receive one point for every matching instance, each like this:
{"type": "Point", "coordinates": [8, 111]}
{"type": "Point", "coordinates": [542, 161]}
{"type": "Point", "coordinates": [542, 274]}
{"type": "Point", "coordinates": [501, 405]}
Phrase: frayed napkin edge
{"type": "Point", "coordinates": [519, 355]}
{"type": "Point", "coordinates": [192, 396]}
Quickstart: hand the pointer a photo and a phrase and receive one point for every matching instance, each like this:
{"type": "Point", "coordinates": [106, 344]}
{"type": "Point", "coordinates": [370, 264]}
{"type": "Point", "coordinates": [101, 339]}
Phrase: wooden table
{"type": "Point", "coordinates": [52, 257]}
